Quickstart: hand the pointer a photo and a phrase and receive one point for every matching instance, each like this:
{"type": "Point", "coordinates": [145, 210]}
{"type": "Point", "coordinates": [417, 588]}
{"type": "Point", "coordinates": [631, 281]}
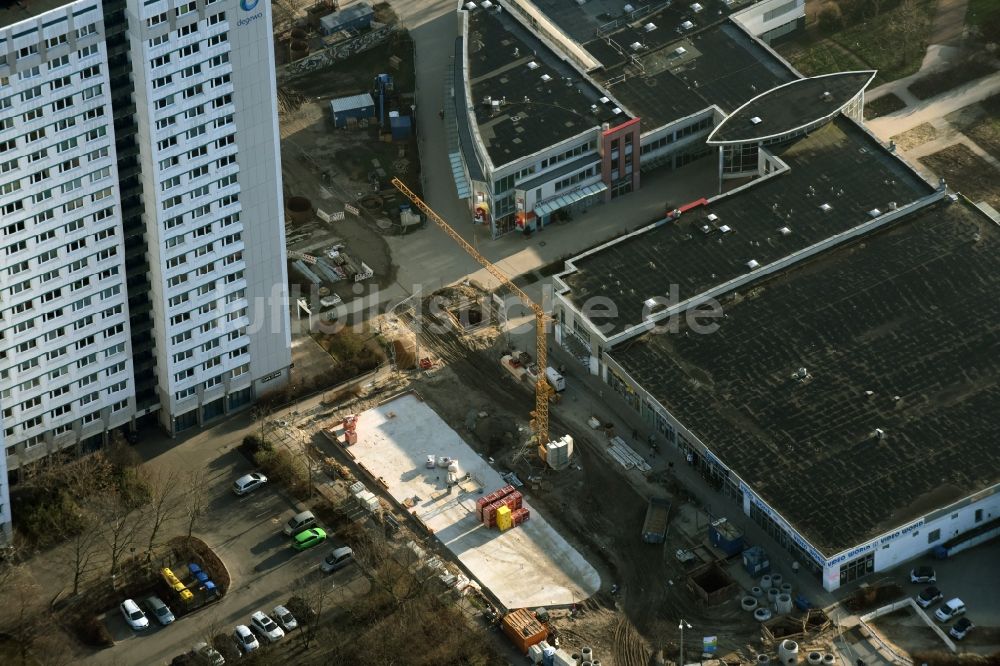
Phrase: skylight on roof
{"type": "Point", "coordinates": [755, 120]}
{"type": "Point", "coordinates": [696, 8]}
{"type": "Point", "coordinates": [532, 65]}
{"type": "Point", "coordinates": [687, 25]}
{"type": "Point", "coordinates": [649, 27]}
{"type": "Point", "coordinates": [546, 78]}
{"type": "Point", "coordinates": [752, 264]}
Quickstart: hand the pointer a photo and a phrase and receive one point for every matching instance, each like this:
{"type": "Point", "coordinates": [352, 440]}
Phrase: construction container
{"type": "Point", "coordinates": [504, 521]}
{"type": "Point", "coordinates": [755, 561]}
{"type": "Point", "coordinates": [654, 527]}
{"type": "Point", "coordinates": [490, 513]}
{"type": "Point", "coordinates": [523, 629]}
{"type": "Point", "coordinates": [726, 537]}
{"type": "Point", "coordinates": [356, 487]}
{"type": "Point", "coordinates": [506, 490]}
{"type": "Point", "coordinates": [480, 505]}
{"type": "Point", "coordinates": [520, 516]}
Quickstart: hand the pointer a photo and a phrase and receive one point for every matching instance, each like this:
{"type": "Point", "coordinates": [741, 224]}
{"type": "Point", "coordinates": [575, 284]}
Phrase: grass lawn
{"type": "Point", "coordinates": [966, 172]}
{"type": "Point", "coordinates": [894, 43]}
{"type": "Point", "coordinates": [883, 106]}
{"type": "Point", "coordinates": [934, 84]}
{"type": "Point", "coordinates": [917, 136]}
{"type": "Point", "coordinates": [986, 130]}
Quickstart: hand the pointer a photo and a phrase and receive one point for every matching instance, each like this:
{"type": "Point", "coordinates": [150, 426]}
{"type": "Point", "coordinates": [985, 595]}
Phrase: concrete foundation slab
{"type": "Point", "coordinates": [527, 566]}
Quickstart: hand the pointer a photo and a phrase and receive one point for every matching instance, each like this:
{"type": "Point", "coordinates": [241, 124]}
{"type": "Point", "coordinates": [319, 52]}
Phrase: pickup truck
{"type": "Point", "coordinates": [654, 528]}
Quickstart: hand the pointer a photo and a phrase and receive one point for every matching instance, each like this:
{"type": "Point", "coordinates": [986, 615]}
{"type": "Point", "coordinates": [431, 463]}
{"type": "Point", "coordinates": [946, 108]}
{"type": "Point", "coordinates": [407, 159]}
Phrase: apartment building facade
{"type": "Point", "coordinates": [140, 221]}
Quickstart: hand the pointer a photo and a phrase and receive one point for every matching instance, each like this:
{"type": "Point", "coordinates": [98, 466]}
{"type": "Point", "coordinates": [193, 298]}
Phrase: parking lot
{"type": "Point", "coordinates": [974, 577]}
{"type": "Point", "coordinates": [246, 533]}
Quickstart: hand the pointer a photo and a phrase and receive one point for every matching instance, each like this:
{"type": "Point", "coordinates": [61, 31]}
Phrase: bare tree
{"type": "Point", "coordinates": [164, 505]}
{"type": "Point", "coordinates": [83, 549]}
{"type": "Point", "coordinates": [315, 597]}
{"type": "Point", "coordinates": [121, 523]}
{"type": "Point", "coordinates": [195, 499]}
{"type": "Point", "coordinates": [22, 607]}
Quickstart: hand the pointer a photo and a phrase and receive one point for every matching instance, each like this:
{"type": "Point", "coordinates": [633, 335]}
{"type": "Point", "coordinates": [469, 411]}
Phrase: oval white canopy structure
{"type": "Point", "coordinates": [791, 109]}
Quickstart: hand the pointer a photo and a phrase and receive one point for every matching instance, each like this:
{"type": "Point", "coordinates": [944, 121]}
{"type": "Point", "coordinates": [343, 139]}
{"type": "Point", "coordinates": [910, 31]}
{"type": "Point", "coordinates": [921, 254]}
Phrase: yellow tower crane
{"type": "Point", "coordinates": [539, 417]}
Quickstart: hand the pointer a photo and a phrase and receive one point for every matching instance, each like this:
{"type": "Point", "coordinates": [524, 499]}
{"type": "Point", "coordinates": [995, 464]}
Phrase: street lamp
{"type": "Point", "coordinates": [682, 625]}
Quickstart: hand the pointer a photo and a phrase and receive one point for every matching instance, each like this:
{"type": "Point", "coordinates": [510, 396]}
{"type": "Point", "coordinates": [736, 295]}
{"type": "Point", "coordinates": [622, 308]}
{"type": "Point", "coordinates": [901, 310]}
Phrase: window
{"type": "Point", "coordinates": [979, 515]}
{"type": "Point", "coordinates": [88, 51]}
{"type": "Point", "coordinates": [933, 536]}
{"type": "Point", "coordinates": [58, 40]}
{"type": "Point", "coordinates": [86, 30]}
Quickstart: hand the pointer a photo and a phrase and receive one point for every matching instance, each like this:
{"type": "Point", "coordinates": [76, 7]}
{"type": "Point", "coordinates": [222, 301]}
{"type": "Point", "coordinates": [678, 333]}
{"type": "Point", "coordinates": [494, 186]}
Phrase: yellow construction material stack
{"type": "Point", "coordinates": [504, 519]}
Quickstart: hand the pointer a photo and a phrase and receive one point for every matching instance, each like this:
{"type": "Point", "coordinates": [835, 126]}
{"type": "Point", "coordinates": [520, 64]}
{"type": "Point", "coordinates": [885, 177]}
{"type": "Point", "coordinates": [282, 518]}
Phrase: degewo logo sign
{"type": "Point", "coordinates": [249, 6]}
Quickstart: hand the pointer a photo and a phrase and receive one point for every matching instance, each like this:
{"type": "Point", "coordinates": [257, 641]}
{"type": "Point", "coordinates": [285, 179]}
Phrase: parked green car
{"type": "Point", "coordinates": [309, 538]}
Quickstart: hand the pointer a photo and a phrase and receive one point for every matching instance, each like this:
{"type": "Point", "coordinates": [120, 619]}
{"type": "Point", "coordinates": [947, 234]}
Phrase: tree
{"type": "Point", "coordinates": [22, 607]}
{"type": "Point", "coordinates": [164, 505]}
{"type": "Point", "coordinates": [83, 548]}
{"type": "Point", "coordinates": [195, 499]}
{"type": "Point", "coordinates": [121, 523]}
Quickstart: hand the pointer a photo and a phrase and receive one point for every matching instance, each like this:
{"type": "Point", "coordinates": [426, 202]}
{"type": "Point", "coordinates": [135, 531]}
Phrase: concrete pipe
{"type": "Point", "coordinates": [748, 603]}
{"type": "Point", "coordinates": [763, 659]}
{"type": "Point", "coordinates": [829, 659]}
{"type": "Point", "coordinates": [815, 658]}
{"type": "Point", "coordinates": [762, 614]}
{"type": "Point", "coordinates": [772, 595]}
{"type": "Point", "coordinates": [596, 662]}
{"type": "Point", "coordinates": [788, 653]}
{"type": "Point", "coordinates": [586, 663]}
{"type": "Point", "coordinates": [587, 654]}
{"type": "Point", "coordinates": [757, 591]}
{"type": "Point", "coordinates": [783, 604]}
{"type": "Point", "coordinates": [786, 588]}
{"type": "Point", "coordinates": [765, 581]}
{"type": "Point", "coordinates": [776, 580]}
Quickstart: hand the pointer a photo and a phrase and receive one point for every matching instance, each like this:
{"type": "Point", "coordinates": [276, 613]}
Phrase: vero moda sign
{"type": "Point", "coordinates": [249, 6]}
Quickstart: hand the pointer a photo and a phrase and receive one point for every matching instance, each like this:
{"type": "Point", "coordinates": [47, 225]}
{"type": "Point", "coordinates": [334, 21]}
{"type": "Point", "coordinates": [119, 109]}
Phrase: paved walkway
{"type": "Point", "coordinates": [931, 109]}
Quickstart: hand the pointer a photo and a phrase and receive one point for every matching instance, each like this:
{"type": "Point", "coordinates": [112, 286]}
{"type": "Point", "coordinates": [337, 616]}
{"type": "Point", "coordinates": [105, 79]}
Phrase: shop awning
{"type": "Point", "coordinates": [458, 173]}
{"type": "Point", "coordinates": [553, 205]}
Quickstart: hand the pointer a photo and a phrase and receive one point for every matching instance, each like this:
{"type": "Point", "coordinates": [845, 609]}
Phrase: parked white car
{"type": "Point", "coordinates": [950, 610]}
{"type": "Point", "coordinates": [245, 638]}
{"type": "Point", "coordinates": [265, 625]}
{"type": "Point", "coordinates": [134, 615]}
{"type": "Point", "coordinates": [285, 618]}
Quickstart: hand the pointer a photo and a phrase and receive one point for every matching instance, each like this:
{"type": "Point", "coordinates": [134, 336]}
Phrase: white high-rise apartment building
{"type": "Point", "coordinates": [207, 129]}
{"type": "Point", "coordinates": [141, 225]}
{"type": "Point", "coordinates": [65, 363]}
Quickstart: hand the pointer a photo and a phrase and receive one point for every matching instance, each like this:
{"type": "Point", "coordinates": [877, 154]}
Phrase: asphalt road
{"type": "Point", "coordinates": [246, 533]}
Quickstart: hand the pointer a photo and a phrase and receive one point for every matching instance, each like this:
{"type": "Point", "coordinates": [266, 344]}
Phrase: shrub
{"type": "Point", "coordinates": [91, 631]}
{"type": "Point", "coordinates": [829, 18]}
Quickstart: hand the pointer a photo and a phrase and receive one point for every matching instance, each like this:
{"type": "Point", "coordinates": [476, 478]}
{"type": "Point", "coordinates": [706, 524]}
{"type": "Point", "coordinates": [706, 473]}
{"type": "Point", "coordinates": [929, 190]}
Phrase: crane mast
{"type": "Point", "coordinates": [539, 417]}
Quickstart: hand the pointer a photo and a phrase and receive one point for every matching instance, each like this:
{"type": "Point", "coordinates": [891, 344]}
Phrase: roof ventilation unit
{"type": "Point", "coordinates": [470, 6]}
{"type": "Point", "coordinates": [679, 51]}
{"type": "Point", "coordinates": [878, 433]}
{"type": "Point", "coordinates": [874, 212]}
{"type": "Point", "coordinates": [706, 229]}
{"type": "Point", "coordinates": [546, 78]}
{"type": "Point", "coordinates": [649, 27]}
{"type": "Point", "coordinates": [756, 120]}
{"type": "Point", "coordinates": [687, 25]}
{"type": "Point", "coordinates": [636, 46]}
{"type": "Point", "coordinates": [725, 228]}
{"type": "Point", "coordinates": [604, 100]}
{"type": "Point", "coordinates": [711, 217]}
{"type": "Point", "coordinates": [752, 264]}
{"type": "Point", "coordinates": [825, 207]}
{"type": "Point", "coordinates": [785, 231]}
{"type": "Point", "coordinates": [487, 4]}
{"type": "Point", "coordinates": [616, 111]}
{"type": "Point", "coordinates": [532, 65]}
{"type": "Point", "coordinates": [827, 97]}
{"type": "Point", "coordinates": [696, 8]}
{"type": "Point", "coordinates": [628, 8]}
